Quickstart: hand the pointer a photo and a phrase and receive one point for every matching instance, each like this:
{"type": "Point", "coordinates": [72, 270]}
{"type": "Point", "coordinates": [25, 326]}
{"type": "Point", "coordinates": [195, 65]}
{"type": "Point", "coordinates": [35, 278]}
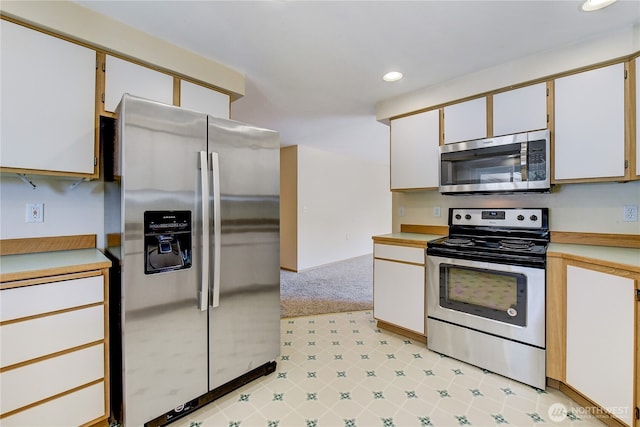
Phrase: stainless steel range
{"type": "Point", "coordinates": [486, 291]}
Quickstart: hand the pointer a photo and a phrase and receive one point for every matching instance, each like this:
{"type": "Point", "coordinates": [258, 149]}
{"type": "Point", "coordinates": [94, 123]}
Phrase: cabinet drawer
{"type": "Point", "coordinates": [71, 410]}
{"type": "Point", "coordinates": [33, 382]}
{"type": "Point", "coordinates": [37, 299]}
{"type": "Point", "coordinates": [399, 253]}
{"type": "Point", "coordinates": [22, 341]}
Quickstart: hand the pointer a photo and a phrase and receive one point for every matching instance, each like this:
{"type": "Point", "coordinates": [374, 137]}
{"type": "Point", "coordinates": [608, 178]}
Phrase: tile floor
{"type": "Point", "coordinates": [340, 370]}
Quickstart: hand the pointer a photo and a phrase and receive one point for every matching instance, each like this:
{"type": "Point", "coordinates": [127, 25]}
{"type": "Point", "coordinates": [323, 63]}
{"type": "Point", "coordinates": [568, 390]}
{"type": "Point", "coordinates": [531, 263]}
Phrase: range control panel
{"type": "Point", "coordinates": [507, 217]}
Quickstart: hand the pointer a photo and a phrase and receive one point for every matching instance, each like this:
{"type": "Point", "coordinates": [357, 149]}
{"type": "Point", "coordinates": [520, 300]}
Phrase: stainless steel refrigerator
{"type": "Point", "coordinates": [192, 224]}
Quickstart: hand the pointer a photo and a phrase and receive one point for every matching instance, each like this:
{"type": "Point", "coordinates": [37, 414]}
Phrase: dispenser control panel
{"type": "Point", "coordinates": [167, 241]}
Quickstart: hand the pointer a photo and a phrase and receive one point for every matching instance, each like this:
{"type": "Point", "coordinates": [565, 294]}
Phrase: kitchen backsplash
{"type": "Point", "coordinates": [592, 208]}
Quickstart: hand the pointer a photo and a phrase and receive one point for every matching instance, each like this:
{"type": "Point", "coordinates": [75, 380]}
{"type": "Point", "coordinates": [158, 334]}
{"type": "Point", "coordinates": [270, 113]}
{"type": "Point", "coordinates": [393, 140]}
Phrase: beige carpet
{"type": "Point", "coordinates": [338, 287]}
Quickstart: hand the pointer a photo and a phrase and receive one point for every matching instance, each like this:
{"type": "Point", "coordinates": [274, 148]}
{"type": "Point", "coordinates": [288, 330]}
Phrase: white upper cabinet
{"type": "Point", "coordinates": [589, 124]}
{"type": "Point", "coordinates": [520, 110]}
{"type": "Point", "coordinates": [47, 97]}
{"type": "Point", "coordinates": [199, 98]}
{"type": "Point", "coordinates": [126, 77]}
{"type": "Point", "coordinates": [466, 120]}
{"type": "Point", "coordinates": [414, 151]}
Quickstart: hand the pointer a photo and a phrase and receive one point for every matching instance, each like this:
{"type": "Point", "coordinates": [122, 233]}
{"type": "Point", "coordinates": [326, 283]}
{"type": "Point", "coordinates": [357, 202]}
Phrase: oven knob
{"type": "Point", "coordinates": [467, 216]}
{"type": "Point", "coordinates": [458, 216]}
{"type": "Point", "coordinates": [520, 217]}
{"type": "Point", "coordinates": [533, 217]}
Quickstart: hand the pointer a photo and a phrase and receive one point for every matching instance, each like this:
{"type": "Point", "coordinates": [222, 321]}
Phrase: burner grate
{"type": "Point", "coordinates": [516, 244]}
{"type": "Point", "coordinates": [458, 242]}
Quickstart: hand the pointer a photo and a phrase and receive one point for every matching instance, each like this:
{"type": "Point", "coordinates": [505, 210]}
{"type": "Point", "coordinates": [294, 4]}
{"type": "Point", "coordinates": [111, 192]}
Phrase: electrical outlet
{"type": "Point", "coordinates": [630, 213]}
{"type": "Point", "coordinates": [436, 211]}
{"type": "Point", "coordinates": [35, 212]}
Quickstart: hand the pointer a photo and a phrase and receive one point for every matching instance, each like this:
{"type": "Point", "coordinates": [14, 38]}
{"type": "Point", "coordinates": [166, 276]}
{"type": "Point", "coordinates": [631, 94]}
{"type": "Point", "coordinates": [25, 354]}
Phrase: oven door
{"type": "Point", "coordinates": [498, 299]}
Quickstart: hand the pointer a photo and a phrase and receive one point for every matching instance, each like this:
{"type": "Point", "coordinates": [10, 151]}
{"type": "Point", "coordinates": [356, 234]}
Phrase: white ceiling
{"type": "Point", "coordinates": [314, 68]}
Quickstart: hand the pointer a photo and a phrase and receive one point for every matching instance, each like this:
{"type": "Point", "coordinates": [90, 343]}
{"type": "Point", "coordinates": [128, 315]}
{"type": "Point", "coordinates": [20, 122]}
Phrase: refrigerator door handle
{"type": "Point", "coordinates": [217, 225]}
{"type": "Point", "coordinates": [204, 280]}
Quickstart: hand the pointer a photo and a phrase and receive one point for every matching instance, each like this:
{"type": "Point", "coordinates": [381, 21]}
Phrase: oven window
{"type": "Point", "coordinates": [486, 293]}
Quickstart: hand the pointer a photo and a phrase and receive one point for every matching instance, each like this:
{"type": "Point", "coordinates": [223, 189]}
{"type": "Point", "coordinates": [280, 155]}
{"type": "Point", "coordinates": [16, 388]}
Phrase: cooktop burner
{"type": "Point", "coordinates": [510, 235]}
{"type": "Point", "coordinates": [458, 242]}
{"type": "Point", "coordinates": [517, 244]}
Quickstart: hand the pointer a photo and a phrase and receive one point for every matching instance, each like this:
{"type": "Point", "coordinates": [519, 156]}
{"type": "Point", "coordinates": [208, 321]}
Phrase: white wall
{"type": "Point", "coordinates": [342, 202]}
{"type": "Point", "coordinates": [588, 208]}
{"type": "Point", "coordinates": [67, 211]}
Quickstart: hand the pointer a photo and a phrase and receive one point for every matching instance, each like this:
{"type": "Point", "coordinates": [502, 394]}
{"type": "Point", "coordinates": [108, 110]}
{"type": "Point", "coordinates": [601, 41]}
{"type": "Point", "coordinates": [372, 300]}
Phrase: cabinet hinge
{"type": "Point", "coordinates": [637, 299]}
{"type": "Point", "coordinates": [626, 164]}
{"type": "Point", "coordinates": [97, 64]}
{"type": "Point", "coordinates": [547, 118]}
{"type": "Point", "coordinates": [103, 97]}
{"type": "Point", "coordinates": [104, 67]}
{"type": "Point", "coordinates": [625, 74]}
{"type": "Point", "coordinates": [637, 413]}
{"type": "Point", "coordinates": [547, 91]}
{"type": "Point", "coordinates": [95, 161]}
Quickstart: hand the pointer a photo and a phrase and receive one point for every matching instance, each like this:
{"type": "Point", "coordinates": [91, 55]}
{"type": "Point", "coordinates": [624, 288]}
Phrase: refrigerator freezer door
{"type": "Point", "coordinates": [164, 334]}
{"type": "Point", "coordinates": [244, 329]}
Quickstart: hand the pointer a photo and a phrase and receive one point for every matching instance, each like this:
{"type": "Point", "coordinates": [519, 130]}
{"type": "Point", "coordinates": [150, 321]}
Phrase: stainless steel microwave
{"type": "Point", "coordinates": [509, 163]}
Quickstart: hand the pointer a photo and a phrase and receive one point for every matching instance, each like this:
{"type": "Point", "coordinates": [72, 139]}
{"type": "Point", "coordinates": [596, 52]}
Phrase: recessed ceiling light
{"type": "Point", "coordinates": [591, 5]}
{"type": "Point", "coordinates": [392, 76]}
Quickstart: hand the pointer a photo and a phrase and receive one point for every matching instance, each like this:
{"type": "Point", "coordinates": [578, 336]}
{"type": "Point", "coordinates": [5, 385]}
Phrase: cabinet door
{"type": "Point", "coordinates": [26, 301]}
{"type": "Point", "coordinates": [414, 151]}
{"type": "Point", "coordinates": [520, 110]}
{"type": "Point", "coordinates": [398, 294]}
{"type": "Point", "coordinates": [199, 98]}
{"type": "Point", "coordinates": [126, 77]}
{"type": "Point", "coordinates": [73, 409]}
{"type": "Point", "coordinates": [47, 97]}
{"type": "Point", "coordinates": [465, 121]}
{"type": "Point", "coordinates": [600, 338]}
{"type": "Point", "coordinates": [589, 124]}
{"type": "Point", "coordinates": [27, 340]}
{"type": "Point", "coordinates": [54, 376]}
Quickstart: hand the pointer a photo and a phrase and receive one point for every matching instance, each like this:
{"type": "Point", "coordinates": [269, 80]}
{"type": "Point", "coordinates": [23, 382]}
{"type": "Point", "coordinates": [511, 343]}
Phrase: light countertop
{"type": "Point", "coordinates": [625, 258]}
{"type": "Point", "coordinates": [414, 239]}
{"type": "Point", "coordinates": [43, 264]}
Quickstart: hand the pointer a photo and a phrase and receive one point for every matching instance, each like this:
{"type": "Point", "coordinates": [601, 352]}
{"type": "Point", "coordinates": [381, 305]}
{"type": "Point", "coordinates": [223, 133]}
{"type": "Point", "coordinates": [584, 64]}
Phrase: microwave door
{"type": "Point", "coordinates": [496, 168]}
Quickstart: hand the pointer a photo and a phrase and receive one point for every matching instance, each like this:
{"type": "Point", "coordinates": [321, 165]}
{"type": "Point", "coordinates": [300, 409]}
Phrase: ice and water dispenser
{"type": "Point", "coordinates": [167, 241]}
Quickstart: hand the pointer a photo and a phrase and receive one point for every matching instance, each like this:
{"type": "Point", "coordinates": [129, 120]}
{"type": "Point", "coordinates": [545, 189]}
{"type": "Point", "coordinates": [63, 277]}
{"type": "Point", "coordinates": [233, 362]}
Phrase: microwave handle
{"type": "Point", "coordinates": [524, 157]}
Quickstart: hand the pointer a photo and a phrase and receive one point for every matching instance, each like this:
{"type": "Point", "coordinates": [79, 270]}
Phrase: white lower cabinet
{"type": "Point", "coordinates": [600, 339]}
{"type": "Point", "coordinates": [85, 404]}
{"type": "Point", "coordinates": [399, 286]}
{"type": "Point", "coordinates": [53, 353]}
